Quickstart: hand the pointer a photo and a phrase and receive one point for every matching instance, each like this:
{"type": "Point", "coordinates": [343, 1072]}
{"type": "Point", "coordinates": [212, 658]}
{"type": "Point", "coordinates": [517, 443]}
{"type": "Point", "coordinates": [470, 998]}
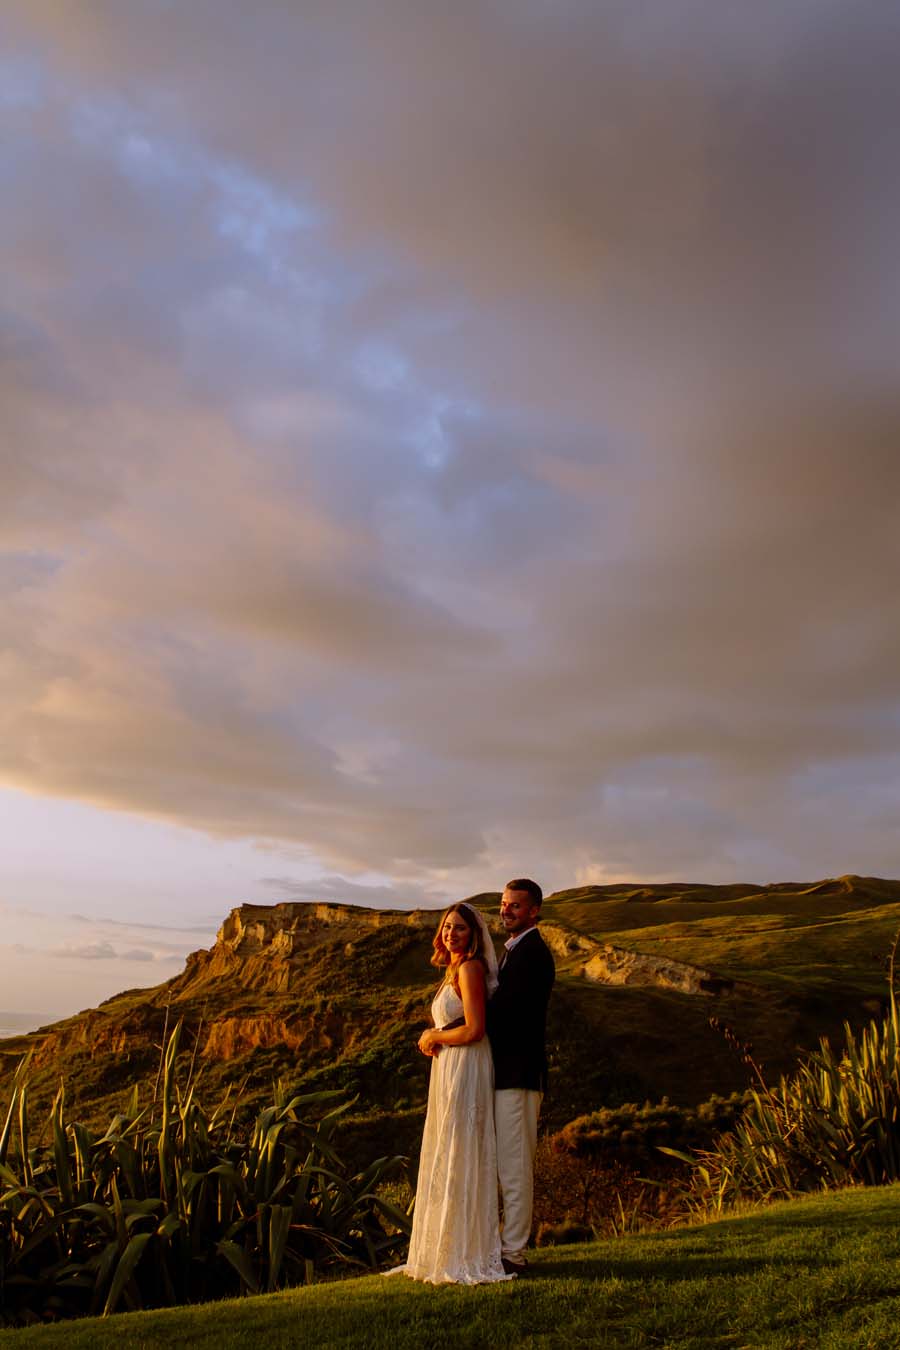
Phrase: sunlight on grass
{"type": "Point", "coordinates": [818, 1272]}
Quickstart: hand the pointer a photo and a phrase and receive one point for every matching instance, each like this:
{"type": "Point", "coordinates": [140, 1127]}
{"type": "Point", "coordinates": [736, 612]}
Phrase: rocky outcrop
{"type": "Point", "coordinates": [232, 1036]}
{"type": "Point", "coordinates": [268, 947]}
{"type": "Point", "coordinates": [614, 965]}
{"type": "Point", "coordinates": [100, 1035]}
{"type": "Point", "coordinates": [318, 1032]}
{"type": "Point", "coordinates": [603, 963]}
{"type": "Point", "coordinates": [252, 928]}
{"type": "Point", "coordinates": [565, 942]}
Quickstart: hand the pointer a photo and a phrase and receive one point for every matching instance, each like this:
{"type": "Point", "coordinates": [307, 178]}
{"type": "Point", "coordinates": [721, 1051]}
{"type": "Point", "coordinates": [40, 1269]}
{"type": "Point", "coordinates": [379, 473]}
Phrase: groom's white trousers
{"type": "Point", "coordinates": [516, 1112]}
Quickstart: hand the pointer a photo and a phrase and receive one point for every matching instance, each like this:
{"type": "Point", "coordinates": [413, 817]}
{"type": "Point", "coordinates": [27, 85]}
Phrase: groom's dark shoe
{"type": "Point", "coordinates": [513, 1267]}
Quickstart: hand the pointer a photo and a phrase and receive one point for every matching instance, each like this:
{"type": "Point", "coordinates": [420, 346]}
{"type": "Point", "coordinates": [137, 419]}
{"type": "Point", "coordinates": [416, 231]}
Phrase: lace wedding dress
{"type": "Point", "coordinates": [455, 1235]}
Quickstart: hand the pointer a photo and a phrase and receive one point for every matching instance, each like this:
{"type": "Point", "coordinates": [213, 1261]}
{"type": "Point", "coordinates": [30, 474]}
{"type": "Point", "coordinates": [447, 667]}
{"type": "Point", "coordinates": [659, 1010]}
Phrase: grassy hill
{"type": "Point", "coordinates": [823, 1272]}
{"type": "Point", "coordinates": [334, 996]}
{"type": "Point", "coordinates": [829, 937]}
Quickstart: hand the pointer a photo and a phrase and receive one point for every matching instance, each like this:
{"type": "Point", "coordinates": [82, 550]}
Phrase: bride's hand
{"type": "Point", "coordinates": [427, 1044]}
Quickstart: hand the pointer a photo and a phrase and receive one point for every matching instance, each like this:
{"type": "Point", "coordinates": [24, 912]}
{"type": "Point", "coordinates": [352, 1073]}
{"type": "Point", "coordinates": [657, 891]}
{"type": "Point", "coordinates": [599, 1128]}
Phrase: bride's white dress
{"type": "Point", "coordinates": [456, 1233]}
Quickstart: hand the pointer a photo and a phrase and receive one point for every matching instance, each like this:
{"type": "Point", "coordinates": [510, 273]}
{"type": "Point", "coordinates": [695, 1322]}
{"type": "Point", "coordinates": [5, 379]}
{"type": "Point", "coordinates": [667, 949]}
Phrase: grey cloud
{"type": "Point", "coordinates": [527, 493]}
{"type": "Point", "coordinates": [151, 942]}
{"type": "Point", "coordinates": [107, 937]}
{"type": "Point", "coordinates": [338, 888]}
{"type": "Point", "coordinates": [656, 176]}
{"type": "Point", "coordinates": [105, 951]}
{"type": "Point", "coordinates": [87, 951]}
{"type": "Point", "coordinates": [136, 925]}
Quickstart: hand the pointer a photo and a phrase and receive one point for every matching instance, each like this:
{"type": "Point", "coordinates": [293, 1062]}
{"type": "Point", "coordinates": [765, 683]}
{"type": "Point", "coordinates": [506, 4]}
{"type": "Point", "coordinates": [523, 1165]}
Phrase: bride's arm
{"type": "Point", "coordinates": [472, 992]}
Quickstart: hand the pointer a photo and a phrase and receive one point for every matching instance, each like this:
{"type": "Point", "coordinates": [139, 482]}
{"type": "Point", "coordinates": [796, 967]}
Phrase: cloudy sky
{"type": "Point", "coordinates": [438, 441]}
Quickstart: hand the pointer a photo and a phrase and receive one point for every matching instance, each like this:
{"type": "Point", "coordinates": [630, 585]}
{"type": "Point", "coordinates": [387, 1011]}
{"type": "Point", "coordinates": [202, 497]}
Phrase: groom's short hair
{"type": "Point", "coordinates": [530, 887]}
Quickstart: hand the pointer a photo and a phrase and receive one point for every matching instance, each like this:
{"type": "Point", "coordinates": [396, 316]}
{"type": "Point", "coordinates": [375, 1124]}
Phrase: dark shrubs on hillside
{"type": "Point", "coordinates": [633, 1133]}
{"type": "Point", "coordinates": [833, 1123]}
{"type": "Point", "coordinates": [609, 1172]}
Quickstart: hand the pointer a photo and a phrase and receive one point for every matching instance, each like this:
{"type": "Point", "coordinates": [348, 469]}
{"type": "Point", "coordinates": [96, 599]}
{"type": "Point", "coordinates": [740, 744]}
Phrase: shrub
{"type": "Point", "coordinates": [634, 1134]}
{"type": "Point", "coordinates": [835, 1122]}
{"type": "Point", "coordinates": [170, 1205]}
{"type": "Point", "coordinates": [616, 1170]}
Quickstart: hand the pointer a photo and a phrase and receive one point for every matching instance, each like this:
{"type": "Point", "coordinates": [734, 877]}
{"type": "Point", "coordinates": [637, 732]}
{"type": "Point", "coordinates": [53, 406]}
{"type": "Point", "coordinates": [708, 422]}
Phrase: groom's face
{"type": "Point", "coordinates": [518, 912]}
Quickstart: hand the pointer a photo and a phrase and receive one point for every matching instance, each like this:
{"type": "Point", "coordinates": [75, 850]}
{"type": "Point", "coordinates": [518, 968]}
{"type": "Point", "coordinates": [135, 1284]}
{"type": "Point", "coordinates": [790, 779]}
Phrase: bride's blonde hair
{"type": "Point", "coordinates": [475, 949]}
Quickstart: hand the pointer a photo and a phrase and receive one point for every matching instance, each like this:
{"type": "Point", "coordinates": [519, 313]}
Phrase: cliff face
{"type": "Point", "coordinates": [603, 963]}
{"type": "Point", "coordinates": [306, 958]}
{"type": "Point", "coordinates": [99, 1034]}
{"type": "Point", "coordinates": [275, 979]}
{"type": "Point", "coordinates": [269, 947]}
{"type": "Point", "coordinates": [335, 996]}
{"type": "Point", "coordinates": [251, 928]}
{"type": "Point", "coordinates": [283, 948]}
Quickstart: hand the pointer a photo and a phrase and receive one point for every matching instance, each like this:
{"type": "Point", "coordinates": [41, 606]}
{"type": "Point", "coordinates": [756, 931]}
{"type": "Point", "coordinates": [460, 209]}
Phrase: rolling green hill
{"type": "Point", "coordinates": [330, 995]}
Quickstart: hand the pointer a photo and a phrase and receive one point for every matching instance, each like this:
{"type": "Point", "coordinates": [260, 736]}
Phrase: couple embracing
{"type": "Point", "coordinates": [488, 1074]}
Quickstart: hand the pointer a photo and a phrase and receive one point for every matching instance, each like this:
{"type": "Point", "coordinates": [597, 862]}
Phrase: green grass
{"type": "Point", "coordinates": [829, 939]}
{"type": "Point", "coordinates": [795, 952]}
{"type": "Point", "coordinates": [822, 1272]}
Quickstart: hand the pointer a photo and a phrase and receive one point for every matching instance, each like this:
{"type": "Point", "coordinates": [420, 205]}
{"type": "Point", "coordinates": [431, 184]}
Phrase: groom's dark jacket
{"type": "Point", "coordinates": [517, 1015]}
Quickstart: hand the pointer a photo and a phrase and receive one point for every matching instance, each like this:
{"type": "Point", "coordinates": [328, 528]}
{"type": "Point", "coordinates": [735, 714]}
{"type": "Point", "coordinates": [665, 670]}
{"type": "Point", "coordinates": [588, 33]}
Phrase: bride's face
{"type": "Point", "coordinates": [456, 934]}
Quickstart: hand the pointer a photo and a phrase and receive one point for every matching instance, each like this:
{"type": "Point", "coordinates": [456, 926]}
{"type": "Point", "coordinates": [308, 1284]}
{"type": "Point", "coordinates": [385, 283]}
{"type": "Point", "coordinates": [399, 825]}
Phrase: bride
{"type": "Point", "coordinates": [455, 1233]}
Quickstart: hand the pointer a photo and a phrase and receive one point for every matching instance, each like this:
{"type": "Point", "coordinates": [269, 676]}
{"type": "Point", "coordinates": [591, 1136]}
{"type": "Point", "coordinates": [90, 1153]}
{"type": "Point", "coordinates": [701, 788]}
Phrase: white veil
{"type": "Point", "coordinates": [492, 979]}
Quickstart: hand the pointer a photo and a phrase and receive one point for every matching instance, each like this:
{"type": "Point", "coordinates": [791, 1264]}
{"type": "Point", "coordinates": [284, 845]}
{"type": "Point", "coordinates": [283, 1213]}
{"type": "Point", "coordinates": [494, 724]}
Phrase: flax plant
{"type": "Point", "coordinates": [176, 1206]}
{"type": "Point", "coordinates": [835, 1122]}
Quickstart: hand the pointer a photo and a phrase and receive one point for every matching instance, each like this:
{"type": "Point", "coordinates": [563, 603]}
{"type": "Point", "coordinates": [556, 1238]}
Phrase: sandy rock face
{"type": "Point", "coordinates": [268, 948]}
{"type": "Point", "coordinates": [612, 965]}
{"type": "Point", "coordinates": [100, 1036]}
{"type": "Point", "coordinates": [251, 928]}
{"type": "Point", "coordinates": [232, 1036]}
{"type": "Point", "coordinates": [603, 963]}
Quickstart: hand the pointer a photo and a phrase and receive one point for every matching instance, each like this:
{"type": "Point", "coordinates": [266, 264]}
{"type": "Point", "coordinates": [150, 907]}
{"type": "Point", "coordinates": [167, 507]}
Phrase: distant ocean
{"type": "Point", "coordinates": [16, 1024]}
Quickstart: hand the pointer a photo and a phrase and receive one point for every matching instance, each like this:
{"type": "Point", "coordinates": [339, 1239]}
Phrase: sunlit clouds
{"type": "Point", "coordinates": [441, 442]}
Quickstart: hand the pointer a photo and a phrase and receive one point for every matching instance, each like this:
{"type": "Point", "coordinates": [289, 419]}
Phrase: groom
{"type": "Point", "coordinates": [516, 1017]}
